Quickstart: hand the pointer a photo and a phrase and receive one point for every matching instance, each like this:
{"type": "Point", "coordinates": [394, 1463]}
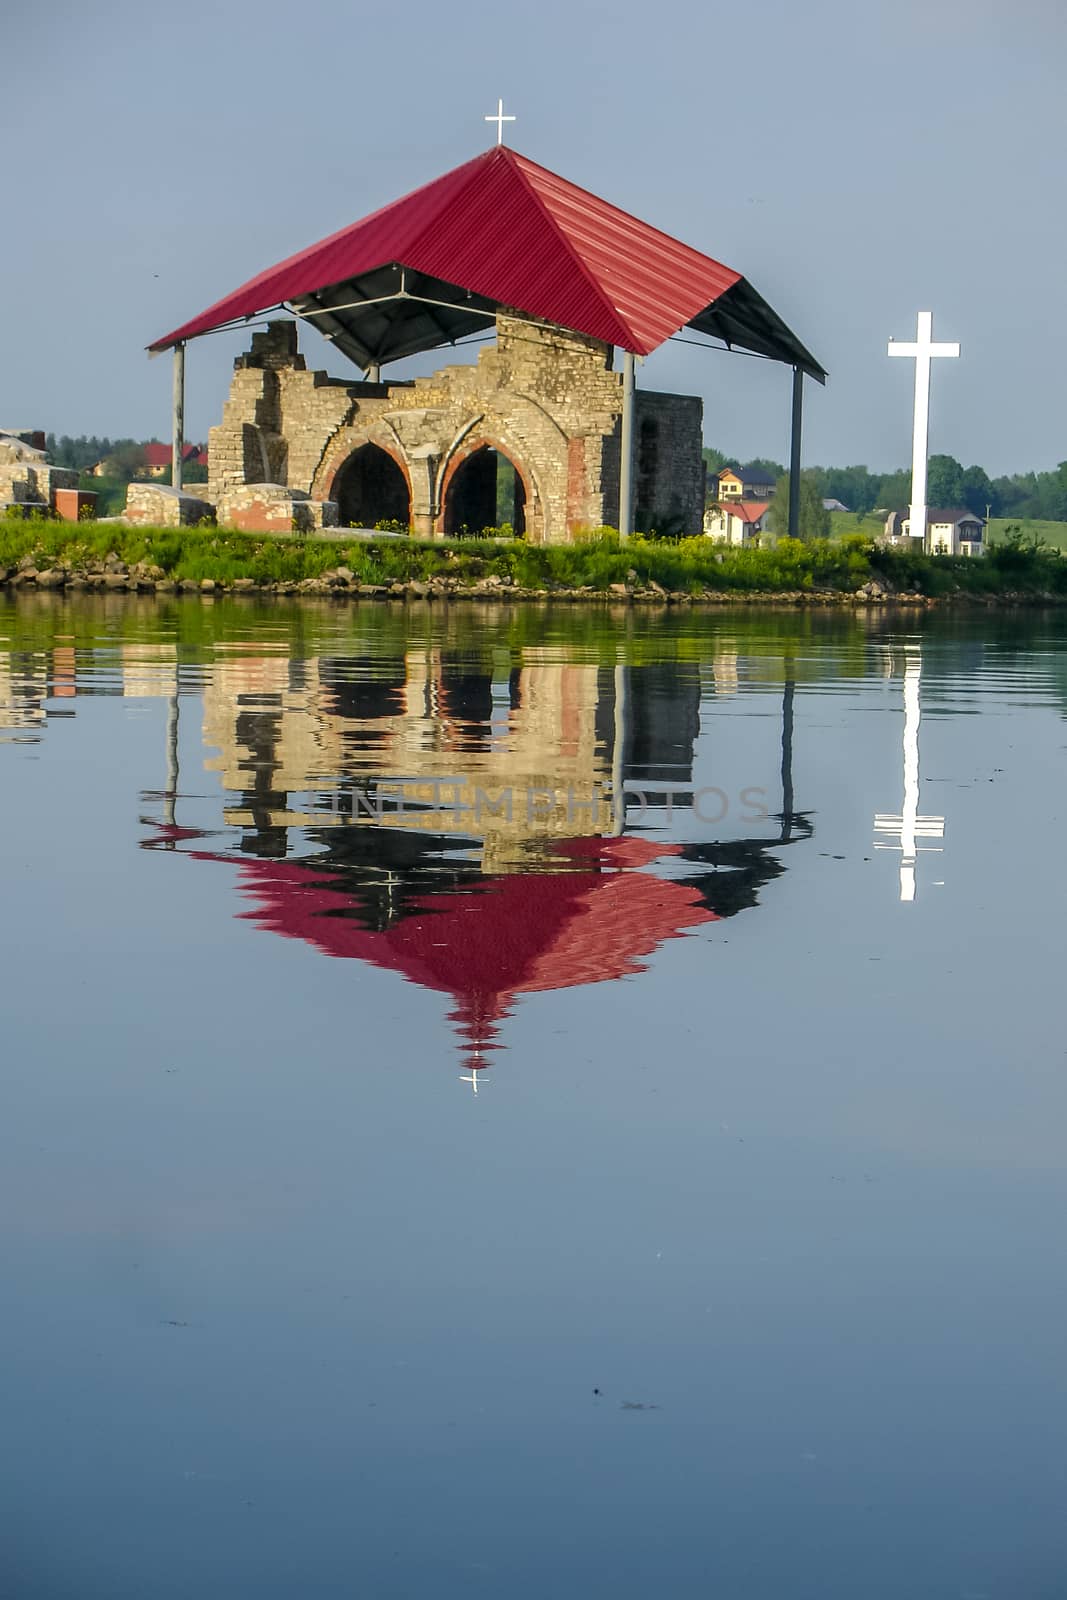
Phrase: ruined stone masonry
{"type": "Point", "coordinates": [528, 435]}
{"type": "Point", "coordinates": [31, 486]}
{"type": "Point", "coordinates": [159, 506]}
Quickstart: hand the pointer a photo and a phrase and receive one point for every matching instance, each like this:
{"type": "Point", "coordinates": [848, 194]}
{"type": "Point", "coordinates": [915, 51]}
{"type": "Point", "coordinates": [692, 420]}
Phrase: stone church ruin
{"type": "Point", "coordinates": [528, 436]}
{"type": "Point", "coordinates": [542, 433]}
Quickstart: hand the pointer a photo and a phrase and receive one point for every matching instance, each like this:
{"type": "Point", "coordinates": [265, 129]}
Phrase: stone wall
{"type": "Point", "coordinates": [545, 398]}
{"type": "Point", "coordinates": [274, 508]}
{"type": "Point", "coordinates": [160, 506]}
{"type": "Point", "coordinates": [668, 462]}
{"type": "Point", "coordinates": [27, 477]}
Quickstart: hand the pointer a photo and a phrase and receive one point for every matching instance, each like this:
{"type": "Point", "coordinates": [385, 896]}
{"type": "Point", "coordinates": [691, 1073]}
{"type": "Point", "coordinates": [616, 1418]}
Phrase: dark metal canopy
{"type": "Point", "coordinates": [393, 312]}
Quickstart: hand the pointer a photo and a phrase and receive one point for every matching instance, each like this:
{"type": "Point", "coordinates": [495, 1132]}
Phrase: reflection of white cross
{"type": "Point", "coordinates": [499, 118]}
{"type": "Point", "coordinates": [476, 1064]}
{"type": "Point", "coordinates": [922, 350]}
{"type": "Point", "coordinates": [909, 826]}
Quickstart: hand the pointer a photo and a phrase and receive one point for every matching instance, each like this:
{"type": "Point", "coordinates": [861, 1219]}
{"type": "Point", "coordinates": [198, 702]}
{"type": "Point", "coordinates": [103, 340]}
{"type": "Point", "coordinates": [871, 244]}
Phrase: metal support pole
{"type": "Point", "coordinates": [620, 751]}
{"type": "Point", "coordinates": [626, 461]}
{"type": "Point", "coordinates": [794, 454]}
{"type": "Point", "coordinates": [178, 430]}
{"type": "Point", "coordinates": [374, 373]}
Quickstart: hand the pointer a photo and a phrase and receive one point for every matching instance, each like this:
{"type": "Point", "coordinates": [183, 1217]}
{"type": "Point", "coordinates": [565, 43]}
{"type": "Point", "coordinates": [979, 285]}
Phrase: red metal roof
{"type": "Point", "coordinates": [508, 233]}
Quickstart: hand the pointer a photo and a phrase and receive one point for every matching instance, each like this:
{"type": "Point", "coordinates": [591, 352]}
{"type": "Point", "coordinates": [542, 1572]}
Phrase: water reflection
{"type": "Point", "coordinates": [378, 785]}
{"type": "Point", "coordinates": [767, 1228]}
{"type": "Point", "coordinates": [908, 827]}
{"type": "Point", "coordinates": [487, 830]}
{"type": "Point", "coordinates": [23, 692]}
{"type": "Point", "coordinates": [488, 820]}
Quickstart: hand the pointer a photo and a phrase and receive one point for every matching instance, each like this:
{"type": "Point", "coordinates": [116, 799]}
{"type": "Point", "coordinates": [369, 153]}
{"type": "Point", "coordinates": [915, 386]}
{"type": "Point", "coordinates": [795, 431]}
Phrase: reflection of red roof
{"type": "Point", "coordinates": [504, 936]}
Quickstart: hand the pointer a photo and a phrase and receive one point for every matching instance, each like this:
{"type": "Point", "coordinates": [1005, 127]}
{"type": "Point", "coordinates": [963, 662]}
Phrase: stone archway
{"type": "Point", "coordinates": [371, 487]}
{"type": "Point", "coordinates": [483, 488]}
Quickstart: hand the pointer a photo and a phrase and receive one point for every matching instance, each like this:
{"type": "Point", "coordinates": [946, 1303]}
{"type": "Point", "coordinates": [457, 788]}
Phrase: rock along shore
{"type": "Point", "coordinates": [114, 576]}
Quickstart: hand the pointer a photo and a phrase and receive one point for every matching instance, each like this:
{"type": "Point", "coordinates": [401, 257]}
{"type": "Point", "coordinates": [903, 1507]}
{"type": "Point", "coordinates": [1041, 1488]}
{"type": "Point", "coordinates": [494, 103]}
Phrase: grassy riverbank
{"type": "Point", "coordinates": [59, 555]}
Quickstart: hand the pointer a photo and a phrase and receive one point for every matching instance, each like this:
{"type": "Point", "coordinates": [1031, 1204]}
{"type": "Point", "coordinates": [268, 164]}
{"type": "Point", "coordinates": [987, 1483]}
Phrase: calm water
{"type": "Point", "coordinates": [523, 1103]}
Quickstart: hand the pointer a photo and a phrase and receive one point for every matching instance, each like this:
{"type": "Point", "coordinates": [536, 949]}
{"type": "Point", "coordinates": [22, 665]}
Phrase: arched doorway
{"type": "Point", "coordinates": [485, 491]}
{"type": "Point", "coordinates": [370, 488]}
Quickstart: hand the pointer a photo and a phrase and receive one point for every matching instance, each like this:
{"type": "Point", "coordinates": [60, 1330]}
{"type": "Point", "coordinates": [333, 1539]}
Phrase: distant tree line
{"type": "Point", "coordinates": [86, 450]}
{"type": "Point", "coordinates": [949, 483]}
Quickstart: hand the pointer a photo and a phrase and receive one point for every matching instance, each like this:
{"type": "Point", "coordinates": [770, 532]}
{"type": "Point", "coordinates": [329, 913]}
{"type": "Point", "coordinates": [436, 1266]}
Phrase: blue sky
{"type": "Point", "coordinates": [857, 163]}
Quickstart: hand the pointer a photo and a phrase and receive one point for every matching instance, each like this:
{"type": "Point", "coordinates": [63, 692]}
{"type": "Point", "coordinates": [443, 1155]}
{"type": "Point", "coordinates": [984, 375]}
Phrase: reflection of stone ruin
{"type": "Point", "coordinates": [453, 743]}
{"type": "Point", "coordinates": [23, 692]}
{"type": "Point", "coordinates": [433, 744]}
{"type": "Point", "coordinates": [530, 435]}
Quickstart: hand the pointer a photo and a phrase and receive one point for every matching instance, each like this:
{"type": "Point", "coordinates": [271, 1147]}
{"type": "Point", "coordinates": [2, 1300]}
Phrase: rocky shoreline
{"type": "Point", "coordinates": [112, 575]}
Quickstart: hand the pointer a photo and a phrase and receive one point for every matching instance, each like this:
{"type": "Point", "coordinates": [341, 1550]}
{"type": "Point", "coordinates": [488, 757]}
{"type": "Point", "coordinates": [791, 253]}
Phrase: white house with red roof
{"type": "Point", "coordinates": [739, 522]}
{"type": "Point", "coordinates": [158, 458]}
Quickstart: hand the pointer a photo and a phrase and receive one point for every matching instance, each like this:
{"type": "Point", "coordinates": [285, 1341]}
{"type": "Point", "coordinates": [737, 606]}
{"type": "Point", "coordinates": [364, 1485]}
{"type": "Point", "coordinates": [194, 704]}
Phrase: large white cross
{"type": "Point", "coordinates": [499, 118]}
{"type": "Point", "coordinates": [923, 350]}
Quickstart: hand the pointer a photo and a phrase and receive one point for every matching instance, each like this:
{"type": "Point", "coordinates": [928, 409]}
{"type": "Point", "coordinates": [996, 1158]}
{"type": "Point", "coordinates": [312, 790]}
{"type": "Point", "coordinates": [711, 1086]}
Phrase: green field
{"type": "Point", "coordinates": [1053, 533]}
{"type": "Point", "coordinates": [844, 523]}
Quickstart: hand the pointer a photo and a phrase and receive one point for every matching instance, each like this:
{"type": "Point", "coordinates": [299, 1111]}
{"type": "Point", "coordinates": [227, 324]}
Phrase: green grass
{"type": "Point", "coordinates": [847, 525]}
{"type": "Point", "coordinates": [110, 493]}
{"type": "Point", "coordinates": [692, 566]}
{"type": "Point", "coordinates": [1053, 533]}
{"type": "Point", "coordinates": [597, 561]}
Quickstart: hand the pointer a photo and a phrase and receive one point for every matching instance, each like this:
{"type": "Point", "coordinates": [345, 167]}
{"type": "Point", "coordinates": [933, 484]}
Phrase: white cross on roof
{"type": "Point", "coordinates": [499, 118]}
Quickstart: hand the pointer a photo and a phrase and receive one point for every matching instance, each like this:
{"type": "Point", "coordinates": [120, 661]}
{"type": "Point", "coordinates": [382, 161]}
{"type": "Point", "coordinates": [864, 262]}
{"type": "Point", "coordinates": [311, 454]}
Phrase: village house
{"type": "Point", "coordinates": [737, 515]}
{"type": "Point", "coordinates": [157, 458]}
{"type": "Point", "coordinates": [950, 531]}
{"type": "Point", "coordinates": [744, 483]}
{"type": "Point", "coordinates": [740, 522]}
{"type": "Point", "coordinates": [157, 461]}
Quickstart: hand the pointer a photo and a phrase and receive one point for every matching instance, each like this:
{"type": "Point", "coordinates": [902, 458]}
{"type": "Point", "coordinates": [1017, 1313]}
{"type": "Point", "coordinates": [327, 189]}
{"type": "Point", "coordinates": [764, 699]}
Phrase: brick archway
{"type": "Point", "coordinates": [378, 487]}
{"type": "Point", "coordinates": [462, 457]}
